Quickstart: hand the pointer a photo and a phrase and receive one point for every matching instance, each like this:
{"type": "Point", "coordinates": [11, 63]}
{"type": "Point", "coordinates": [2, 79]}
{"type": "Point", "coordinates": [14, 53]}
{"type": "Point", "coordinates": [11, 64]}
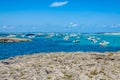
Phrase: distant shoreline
{"type": "Point", "coordinates": [10, 40]}
{"type": "Point", "coordinates": [61, 32]}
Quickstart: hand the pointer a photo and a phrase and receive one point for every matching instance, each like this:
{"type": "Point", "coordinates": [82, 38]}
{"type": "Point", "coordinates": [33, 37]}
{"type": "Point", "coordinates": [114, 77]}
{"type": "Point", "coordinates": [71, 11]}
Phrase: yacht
{"type": "Point", "coordinates": [90, 37]}
{"type": "Point", "coordinates": [94, 40]}
{"type": "Point", "coordinates": [104, 43]}
{"type": "Point", "coordinates": [66, 38]}
{"type": "Point", "coordinates": [11, 35]}
{"type": "Point", "coordinates": [31, 36]}
{"type": "Point", "coordinates": [76, 41]}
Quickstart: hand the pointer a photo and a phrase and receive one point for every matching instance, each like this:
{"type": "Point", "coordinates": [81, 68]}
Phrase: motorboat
{"type": "Point", "coordinates": [94, 40]}
{"type": "Point", "coordinates": [11, 35]}
{"type": "Point", "coordinates": [31, 36]}
{"type": "Point", "coordinates": [66, 38]}
{"type": "Point", "coordinates": [104, 43]}
{"type": "Point", "coordinates": [90, 37]}
{"type": "Point", "coordinates": [76, 41]}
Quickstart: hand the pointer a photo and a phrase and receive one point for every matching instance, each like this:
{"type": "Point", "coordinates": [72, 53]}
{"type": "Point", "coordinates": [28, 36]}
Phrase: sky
{"type": "Point", "coordinates": [59, 15]}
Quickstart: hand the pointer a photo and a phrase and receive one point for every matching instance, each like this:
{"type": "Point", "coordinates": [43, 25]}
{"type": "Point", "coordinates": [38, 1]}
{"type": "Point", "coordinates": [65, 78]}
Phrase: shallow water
{"type": "Point", "coordinates": [56, 43]}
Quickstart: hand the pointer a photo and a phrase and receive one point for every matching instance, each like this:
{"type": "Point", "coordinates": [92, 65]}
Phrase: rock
{"type": "Point", "coordinates": [4, 62]}
{"type": "Point", "coordinates": [62, 66]}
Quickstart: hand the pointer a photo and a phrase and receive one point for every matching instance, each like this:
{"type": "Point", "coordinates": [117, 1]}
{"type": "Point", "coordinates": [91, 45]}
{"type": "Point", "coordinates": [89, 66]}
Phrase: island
{"type": "Point", "coordinates": [10, 40]}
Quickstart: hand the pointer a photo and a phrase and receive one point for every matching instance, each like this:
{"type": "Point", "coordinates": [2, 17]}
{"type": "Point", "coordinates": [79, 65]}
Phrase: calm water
{"type": "Point", "coordinates": [56, 43]}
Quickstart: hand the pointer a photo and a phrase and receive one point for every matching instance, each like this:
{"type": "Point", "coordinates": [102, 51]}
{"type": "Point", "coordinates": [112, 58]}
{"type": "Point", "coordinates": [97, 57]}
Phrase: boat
{"type": "Point", "coordinates": [39, 34]}
{"type": "Point", "coordinates": [31, 36]}
{"type": "Point", "coordinates": [76, 41]}
{"type": "Point", "coordinates": [73, 35]}
{"type": "Point", "coordinates": [66, 38]}
{"type": "Point", "coordinates": [104, 43]}
{"type": "Point", "coordinates": [90, 37]}
{"type": "Point", "coordinates": [94, 40]}
{"type": "Point", "coordinates": [11, 36]}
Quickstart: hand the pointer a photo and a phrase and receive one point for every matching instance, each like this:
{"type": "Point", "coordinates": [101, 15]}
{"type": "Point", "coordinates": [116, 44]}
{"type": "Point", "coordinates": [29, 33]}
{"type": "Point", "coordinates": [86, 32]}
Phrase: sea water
{"type": "Point", "coordinates": [49, 42]}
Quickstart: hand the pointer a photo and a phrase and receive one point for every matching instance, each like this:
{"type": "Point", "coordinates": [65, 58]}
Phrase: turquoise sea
{"type": "Point", "coordinates": [58, 42]}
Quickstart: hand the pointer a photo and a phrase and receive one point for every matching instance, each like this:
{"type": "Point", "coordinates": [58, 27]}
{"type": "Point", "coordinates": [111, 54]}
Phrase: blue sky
{"type": "Point", "coordinates": [59, 15]}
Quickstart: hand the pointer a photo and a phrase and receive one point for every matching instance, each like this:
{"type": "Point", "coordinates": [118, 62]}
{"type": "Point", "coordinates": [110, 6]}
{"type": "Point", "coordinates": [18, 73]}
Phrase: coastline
{"type": "Point", "coordinates": [62, 66]}
{"type": "Point", "coordinates": [10, 40]}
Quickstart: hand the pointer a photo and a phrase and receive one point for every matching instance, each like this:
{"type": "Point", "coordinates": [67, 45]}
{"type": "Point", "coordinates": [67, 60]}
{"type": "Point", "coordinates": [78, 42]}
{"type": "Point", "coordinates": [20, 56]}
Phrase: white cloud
{"type": "Point", "coordinates": [71, 24]}
{"type": "Point", "coordinates": [115, 26]}
{"type": "Point", "coordinates": [58, 4]}
{"type": "Point", "coordinates": [8, 27]}
{"type": "Point", "coordinates": [104, 25]}
{"type": "Point", "coordinates": [4, 27]}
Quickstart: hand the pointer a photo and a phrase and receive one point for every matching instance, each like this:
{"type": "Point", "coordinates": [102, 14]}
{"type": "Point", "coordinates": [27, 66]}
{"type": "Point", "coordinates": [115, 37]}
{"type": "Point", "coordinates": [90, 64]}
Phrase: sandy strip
{"type": "Point", "coordinates": [62, 66]}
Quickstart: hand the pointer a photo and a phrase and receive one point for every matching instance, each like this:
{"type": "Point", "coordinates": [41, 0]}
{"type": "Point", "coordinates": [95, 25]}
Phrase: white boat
{"type": "Point", "coordinates": [31, 36]}
{"type": "Point", "coordinates": [73, 35]}
{"type": "Point", "coordinates": [39, 34]}
{"type": "Point", "coordinates": [90, 37]}
{"type": "Point", "coordinates": [76, 41]}
{"type": "Point", "coordinates": [66, 38]}
{"type": "Point", "coordinates": [11, 35]}
{"type": "Point", "coordinates": [104, 43]}
{"type": "Point", "coordinates": [94, 40]}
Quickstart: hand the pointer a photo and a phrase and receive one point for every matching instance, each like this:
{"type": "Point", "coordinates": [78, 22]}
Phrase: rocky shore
{"type": "Point", "coordinates": [62, 66]}
{"type": "Point", "coordinates": [7, 40]}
